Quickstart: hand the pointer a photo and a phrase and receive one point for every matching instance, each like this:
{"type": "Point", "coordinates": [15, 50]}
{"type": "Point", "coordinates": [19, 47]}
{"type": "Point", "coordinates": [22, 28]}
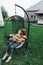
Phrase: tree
{"type": "Point", "coordinates": [4, 12]}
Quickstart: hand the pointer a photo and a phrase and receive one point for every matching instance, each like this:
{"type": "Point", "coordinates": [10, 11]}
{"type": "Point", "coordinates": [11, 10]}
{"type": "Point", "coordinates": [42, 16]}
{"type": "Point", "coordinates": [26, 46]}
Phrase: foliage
{"type": "Point", "coordinates": [4, 12]}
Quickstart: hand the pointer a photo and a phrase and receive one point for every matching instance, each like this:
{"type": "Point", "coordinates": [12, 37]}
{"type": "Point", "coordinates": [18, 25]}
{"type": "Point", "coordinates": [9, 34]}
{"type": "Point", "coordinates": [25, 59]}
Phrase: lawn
{"type": "Point", "coordinates": [34, 52]}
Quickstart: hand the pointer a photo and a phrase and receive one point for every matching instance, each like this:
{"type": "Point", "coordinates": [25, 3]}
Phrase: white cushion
{"type": "Point", "coordinates": [20, 45]}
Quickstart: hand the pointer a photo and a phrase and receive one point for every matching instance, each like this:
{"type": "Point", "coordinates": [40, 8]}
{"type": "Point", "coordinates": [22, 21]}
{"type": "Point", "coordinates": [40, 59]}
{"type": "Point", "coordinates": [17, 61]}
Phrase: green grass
{"type": "Point", "coordinates": [34, 52]}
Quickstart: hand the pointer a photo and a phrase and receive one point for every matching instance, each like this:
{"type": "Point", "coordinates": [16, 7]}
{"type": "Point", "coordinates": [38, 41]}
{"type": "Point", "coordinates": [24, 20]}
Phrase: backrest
{"type": "Point", "coordinates": [14, 24]}
{"type": "Point", "coordinates": [17, 23]}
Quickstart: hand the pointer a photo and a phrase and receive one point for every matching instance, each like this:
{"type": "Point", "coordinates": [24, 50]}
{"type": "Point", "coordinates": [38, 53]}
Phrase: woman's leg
{"type": "Point", "coordinates": [5, 56]}
{"type": "Point", "coordinates": [9, 51]}
{"type": "Point", "coordinates": [14, 45]}
{"type": "Point", "coordinates": [10, 48]}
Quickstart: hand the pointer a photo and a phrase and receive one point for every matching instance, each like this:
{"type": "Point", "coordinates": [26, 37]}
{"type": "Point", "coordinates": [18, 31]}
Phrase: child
{"type": "Point", "coordinates": [14, 41]}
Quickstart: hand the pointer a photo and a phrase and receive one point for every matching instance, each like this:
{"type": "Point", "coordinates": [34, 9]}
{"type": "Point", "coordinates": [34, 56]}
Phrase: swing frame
{"type": "Point", "coordinates": [23, 19]}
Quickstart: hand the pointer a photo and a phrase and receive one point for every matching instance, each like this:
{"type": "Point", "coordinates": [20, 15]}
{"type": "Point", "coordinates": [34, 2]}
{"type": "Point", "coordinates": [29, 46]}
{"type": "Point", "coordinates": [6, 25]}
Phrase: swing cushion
{"type": "Point", "coordinates": [20, 45]}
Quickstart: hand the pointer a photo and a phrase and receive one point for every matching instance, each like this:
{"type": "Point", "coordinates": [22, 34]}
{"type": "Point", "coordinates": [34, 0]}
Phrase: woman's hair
{"type": "Point", "coordinates": [23, 32]}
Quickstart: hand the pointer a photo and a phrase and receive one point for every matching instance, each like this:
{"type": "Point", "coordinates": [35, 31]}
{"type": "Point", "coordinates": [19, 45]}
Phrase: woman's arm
{"type": "Point", "coordinates": [17, 38]}
{"type": "Point", "coordinates": [25, 37]}
{"type": "Point", "coordinates": [20, 39]}
{"type": "Point", "coordinates": [13, 37]}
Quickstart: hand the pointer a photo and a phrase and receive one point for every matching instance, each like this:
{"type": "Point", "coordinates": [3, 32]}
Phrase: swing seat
{"type": "Point", "coordinates": [14, 24]}
{"type": "Point", "coordinates": [19, 46]}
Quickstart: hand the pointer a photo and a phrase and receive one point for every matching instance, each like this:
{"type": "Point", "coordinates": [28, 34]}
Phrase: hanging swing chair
{"type": "Point", "coordinates": [15, 23]}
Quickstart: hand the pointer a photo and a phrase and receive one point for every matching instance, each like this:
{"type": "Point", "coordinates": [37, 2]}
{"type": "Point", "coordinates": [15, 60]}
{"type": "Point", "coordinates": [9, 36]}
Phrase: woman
{"type": "Point", "coordinates": [14, 41]}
